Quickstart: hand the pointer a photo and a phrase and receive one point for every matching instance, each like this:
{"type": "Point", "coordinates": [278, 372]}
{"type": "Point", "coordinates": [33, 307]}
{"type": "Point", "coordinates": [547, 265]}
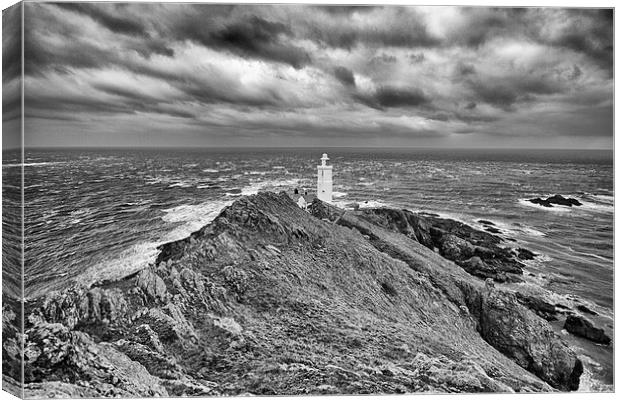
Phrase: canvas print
{"type": "Point", "coordinates": [296, 199]}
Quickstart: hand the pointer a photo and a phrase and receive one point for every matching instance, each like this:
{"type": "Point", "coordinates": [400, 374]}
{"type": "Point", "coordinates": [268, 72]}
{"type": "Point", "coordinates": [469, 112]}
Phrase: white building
{"type": "Point", "coordinates": [324, 181]}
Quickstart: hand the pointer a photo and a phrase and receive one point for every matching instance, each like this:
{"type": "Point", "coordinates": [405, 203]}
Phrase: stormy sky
{"type": "Point", "coordinates": [251, 75]}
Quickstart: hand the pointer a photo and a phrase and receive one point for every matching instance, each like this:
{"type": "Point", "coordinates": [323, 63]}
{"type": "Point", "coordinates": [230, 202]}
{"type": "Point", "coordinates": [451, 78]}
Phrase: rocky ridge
{"type": "Point", "coordinates": [270, 299]}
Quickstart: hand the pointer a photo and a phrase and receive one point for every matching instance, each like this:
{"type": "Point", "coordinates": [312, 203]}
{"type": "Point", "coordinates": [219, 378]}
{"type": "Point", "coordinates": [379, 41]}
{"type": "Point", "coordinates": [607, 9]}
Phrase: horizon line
{"type": "Point", "coordinates": [303, 147]}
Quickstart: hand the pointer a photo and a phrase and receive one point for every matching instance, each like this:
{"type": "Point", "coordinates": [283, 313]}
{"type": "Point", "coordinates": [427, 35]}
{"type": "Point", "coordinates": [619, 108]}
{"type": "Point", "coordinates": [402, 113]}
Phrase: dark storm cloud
{"type": "Point", "coordinates": [586, 31]}
{"type": "Point", "coordinates": [344, 75]}
{"type": "Point", "coordinates": [108, 15]}
{"type": "Point", "coordinates": [301, 73]}
{"type": "Point", "coordinates": [11, 43]}
{"type": "Point", "coordinates": [506, 91]}
{"type": "Point", "coordinates": [348, 38]}
{"type": "Point", "coordinates": [11, 73]}
{"type": "Point", "coordinates": [399, 97]}
{"type": "Point", "coordinates": [463, 69]}
{"type": "Point", "coordinates": [260, 38]}
{"type": "Point", "coordinates": [394, 26]}
{"type": "Point", "coordinates": [339, 10]}
{"type": "Point", "coordinates": [484, 24]}
{"type": "Point", "coordinates": [390, 97]}
{"type": "Point", "coordinates": [250, 36]}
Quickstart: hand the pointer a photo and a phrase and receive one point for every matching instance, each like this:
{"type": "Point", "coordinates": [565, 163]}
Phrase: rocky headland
{"type": "Point", "coordinates": [269, 299]}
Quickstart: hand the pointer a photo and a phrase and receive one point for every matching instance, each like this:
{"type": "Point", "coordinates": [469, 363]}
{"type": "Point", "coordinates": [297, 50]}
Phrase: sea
{"type": "Point", "coordinates": [93, 214]}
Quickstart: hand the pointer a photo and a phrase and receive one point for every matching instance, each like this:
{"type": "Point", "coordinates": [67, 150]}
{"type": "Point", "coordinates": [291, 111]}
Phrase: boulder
{"type": "Point", "coordinates": [528, 340]}
{"type": "Point", "coordinates": [525, 254]}
{"type": "Point", "coordinates": [453, 247]}
{"type": "Point", "coordinates": [582, 327]}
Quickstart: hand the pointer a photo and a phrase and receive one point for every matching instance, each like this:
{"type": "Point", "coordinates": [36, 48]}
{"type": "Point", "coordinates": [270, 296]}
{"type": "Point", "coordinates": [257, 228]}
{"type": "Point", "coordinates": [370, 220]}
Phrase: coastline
{"type": "Point", "coordinates": [157, 291]}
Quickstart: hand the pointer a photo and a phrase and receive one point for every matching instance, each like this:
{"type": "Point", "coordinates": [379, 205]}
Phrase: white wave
{"type": "Point", "coordinates": [587, 382]}
{"type": "Point", "coordinates": [337, 195]}
{"type": "Point", "coordinates": [511, 229]}
{"type": "Point", "coordinates": [128, 261]}
{"type": "Point", "coordinates": [195, 216]}
{"type": "Point", "coordinates": [603, 198]}
{"type": "Point", "coordinates": [34, 164]}
{"type": "Point", "coordinates": [210, 171]}
{"type": "Point", "coordinates": [351, 204]}
{"type": "Point", "coordinates": [275, 184]}
{"type": "Point", "coordinates": [591, 206]}
{"type": "Point", "coordinates": [194, 213]}
{"type": "Point", "coordinates": [191, 216]}
{"type": "Point", "coordinates": [180, 184]}
{"type": "Point", "coordinates": [372, 204]}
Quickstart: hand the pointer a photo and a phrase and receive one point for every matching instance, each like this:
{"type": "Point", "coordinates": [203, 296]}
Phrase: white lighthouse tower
{"type": "Point", "coordinates": [324, 181]}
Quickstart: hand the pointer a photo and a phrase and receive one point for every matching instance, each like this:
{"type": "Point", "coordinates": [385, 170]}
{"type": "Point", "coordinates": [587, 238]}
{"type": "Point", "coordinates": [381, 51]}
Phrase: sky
{"type": "Point", "coordinates": [130, 74]}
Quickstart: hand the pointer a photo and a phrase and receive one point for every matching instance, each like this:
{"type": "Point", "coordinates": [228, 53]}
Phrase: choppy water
{"type": "Point", "coordinates": [92, 214]}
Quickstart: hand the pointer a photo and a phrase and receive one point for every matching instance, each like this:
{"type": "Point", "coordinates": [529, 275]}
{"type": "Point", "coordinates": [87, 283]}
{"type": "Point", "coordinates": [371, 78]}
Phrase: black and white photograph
{"type": "Point", "coordinates": [229, 199]}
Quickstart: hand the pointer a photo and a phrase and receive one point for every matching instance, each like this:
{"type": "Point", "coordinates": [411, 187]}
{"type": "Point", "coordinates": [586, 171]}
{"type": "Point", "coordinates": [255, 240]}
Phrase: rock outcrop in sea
{"type": "Point", "coordinates": [557, 200]}
{"type": "Point", "coordinates": [269, 299]}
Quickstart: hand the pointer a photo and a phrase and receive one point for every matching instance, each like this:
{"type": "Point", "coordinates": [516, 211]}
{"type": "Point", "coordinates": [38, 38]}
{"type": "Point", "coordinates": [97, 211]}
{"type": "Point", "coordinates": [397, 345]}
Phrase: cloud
{"type": "Point", "coordinates": [388, 26]}
{"type": "Point", "coordinates": [11, 43]}
{"type": "Point", "coordinates": [345, 76]}
{"type": "Point", "coordinates": [389, 97]}
{"type": "Point", "coordinates": [109, 16]}
{"type": "Point", "coordinates": [306, 74]}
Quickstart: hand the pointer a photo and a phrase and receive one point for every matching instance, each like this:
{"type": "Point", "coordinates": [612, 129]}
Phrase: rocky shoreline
{"type": "Point", "coordinates": [271, 300]}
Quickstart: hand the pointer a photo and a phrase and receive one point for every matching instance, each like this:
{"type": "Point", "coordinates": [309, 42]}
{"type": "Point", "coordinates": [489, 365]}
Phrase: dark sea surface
{"type": "Point", "coordinates": [94, 214]}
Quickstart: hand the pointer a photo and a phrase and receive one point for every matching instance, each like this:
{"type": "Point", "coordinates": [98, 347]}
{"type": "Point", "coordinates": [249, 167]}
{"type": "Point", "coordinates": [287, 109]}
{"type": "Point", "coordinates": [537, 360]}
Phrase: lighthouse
{"type": "Point", "coordinates": [324, 180]}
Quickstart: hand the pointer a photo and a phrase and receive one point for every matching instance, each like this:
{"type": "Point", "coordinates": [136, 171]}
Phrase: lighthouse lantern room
{"type": "Point", "coordinates": [324, 181]}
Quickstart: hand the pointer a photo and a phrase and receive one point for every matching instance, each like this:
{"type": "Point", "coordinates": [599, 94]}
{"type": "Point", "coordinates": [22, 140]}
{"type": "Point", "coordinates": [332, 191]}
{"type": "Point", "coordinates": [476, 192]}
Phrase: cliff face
{"type": "Point", "coordinates": [269, 299]}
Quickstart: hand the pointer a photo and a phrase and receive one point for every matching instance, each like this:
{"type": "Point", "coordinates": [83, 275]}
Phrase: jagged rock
{"type": "Point", "coordinates": [187, 387]}
{"type": "Point", "coordinates": [539, 306]}
{"type": "Point", "coordinates": [556, 199]}
{"type": "Point", "coordinates": [582, 327]}
{"type": "Point", "coordinates": [525, 254]}
{"type": "Point", "coordinates": [58, 354]}
{"type": "Point", "coordinates": [455, 240]}
{"type": "Point", "coordinates": [528, 340]}
{"type": "Point", "coordinates": [11, 344]}
{"type": "Point", "coordinates": [143, 334]}
{"type": "Point", "coordinates": [169, 323]}
{"type": "Point", "coordinates": [95, 307]}
{"type": "Point", "coordinates": [475, 266]}
{"type": "Point", "coordinates": [453, 247]}
{"type": "Point", "coordinates": [586, 310]}
{"type": "Point", "coordinates": [156, 363]}
{"type": "Point", "coordinates": [152, 285]}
